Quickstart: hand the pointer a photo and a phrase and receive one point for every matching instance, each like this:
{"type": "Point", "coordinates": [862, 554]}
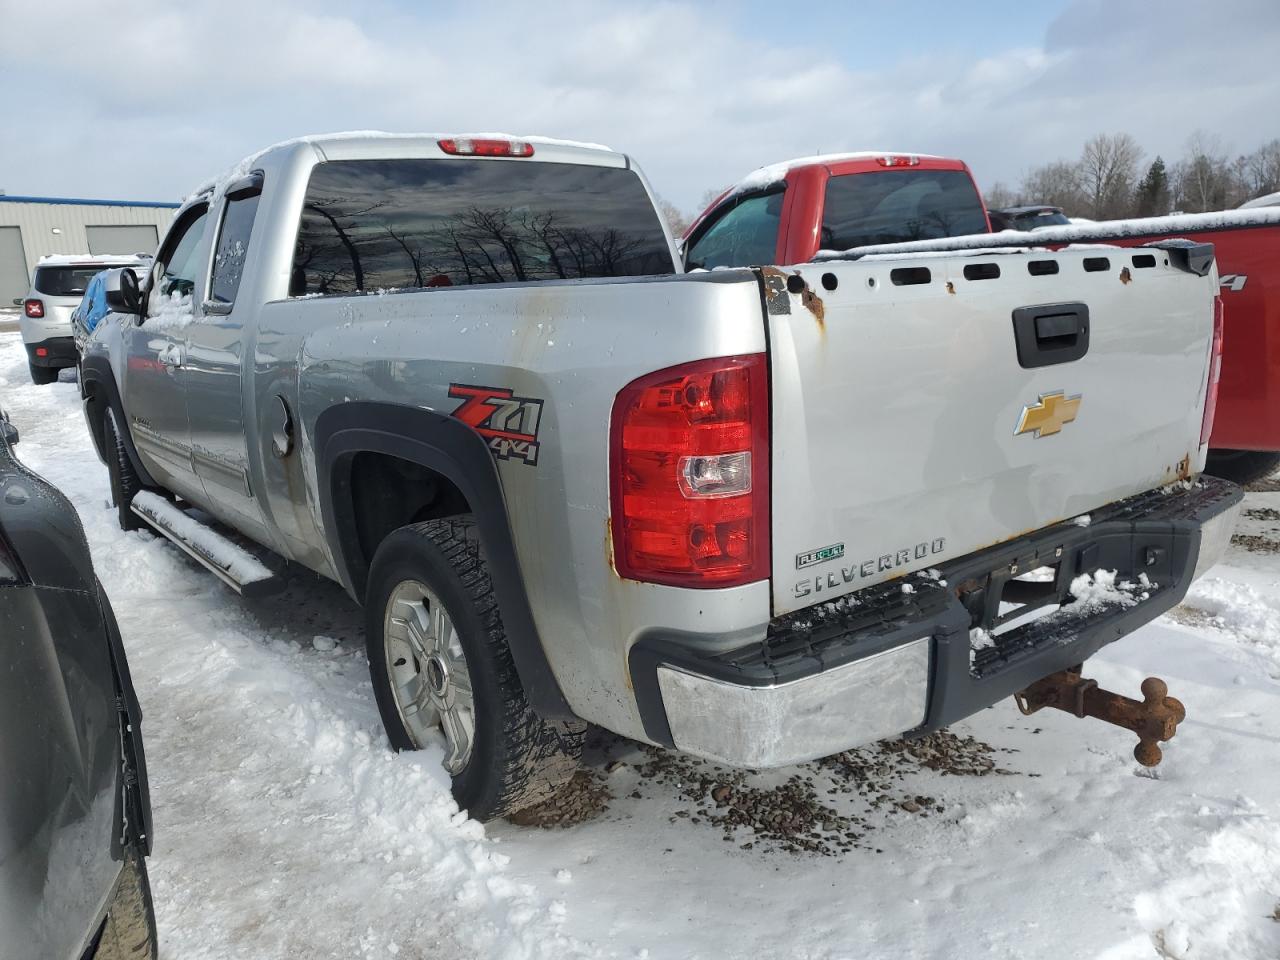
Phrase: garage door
{"type": "Point", "coordinates": [13, 266]}
{"type": "Point", "coordinates": [135, 238]}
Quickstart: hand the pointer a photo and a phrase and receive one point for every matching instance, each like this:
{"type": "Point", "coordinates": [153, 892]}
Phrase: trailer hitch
{"type": "Point", "coordinates": [1154, 719]}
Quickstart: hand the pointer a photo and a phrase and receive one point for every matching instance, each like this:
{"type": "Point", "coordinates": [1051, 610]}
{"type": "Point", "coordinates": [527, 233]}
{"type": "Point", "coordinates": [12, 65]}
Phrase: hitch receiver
{"type": "Point", "coordinates": [1154, 719]}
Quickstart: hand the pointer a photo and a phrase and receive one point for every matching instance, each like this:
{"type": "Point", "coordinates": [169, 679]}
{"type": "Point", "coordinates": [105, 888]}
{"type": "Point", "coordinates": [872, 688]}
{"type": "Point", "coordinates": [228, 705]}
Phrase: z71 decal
{"type": "Point", "coordinates": [509, 423]}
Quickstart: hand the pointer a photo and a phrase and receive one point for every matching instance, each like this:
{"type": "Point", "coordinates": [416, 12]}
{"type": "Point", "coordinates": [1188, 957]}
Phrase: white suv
{"type": "Point", "coordinates": [56, 289]}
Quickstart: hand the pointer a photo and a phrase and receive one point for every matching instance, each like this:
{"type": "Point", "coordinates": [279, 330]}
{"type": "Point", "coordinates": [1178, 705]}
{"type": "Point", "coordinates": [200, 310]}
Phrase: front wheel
{"type": "Point", "coordinates": [442, 669]}
{"type": "Point", "coordinates": [1242, 466]}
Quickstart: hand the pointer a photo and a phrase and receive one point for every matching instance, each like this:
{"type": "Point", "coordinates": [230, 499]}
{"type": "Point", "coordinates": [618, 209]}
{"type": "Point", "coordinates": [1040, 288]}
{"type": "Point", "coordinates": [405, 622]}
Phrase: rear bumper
{"type": "Point", "coordinates": [57, 352]}
{"type": "Point", "coordinates": [886, 662]}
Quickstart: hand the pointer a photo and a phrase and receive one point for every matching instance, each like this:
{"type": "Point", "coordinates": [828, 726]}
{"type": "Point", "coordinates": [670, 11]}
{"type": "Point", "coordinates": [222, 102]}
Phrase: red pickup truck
{"type": "Point", "coordinates": [856, 204]}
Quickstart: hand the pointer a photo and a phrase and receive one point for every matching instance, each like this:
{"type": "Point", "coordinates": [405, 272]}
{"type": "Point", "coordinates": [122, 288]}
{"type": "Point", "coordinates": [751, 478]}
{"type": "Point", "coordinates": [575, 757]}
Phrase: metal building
{"type": "Point", "coordinates": [35, 227]}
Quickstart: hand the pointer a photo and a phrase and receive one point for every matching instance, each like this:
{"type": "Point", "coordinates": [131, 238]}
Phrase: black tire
{"type": "Point", "coordinates": [1242, 466]}
{"type": "Point", "coordinates": [42, 375]}
{"type": "Point", "coordinates": [517, 758]}
{"type": "Point", "coordinates": [124, 479]}
{"type": "Point", "coordinates": [129, 932]}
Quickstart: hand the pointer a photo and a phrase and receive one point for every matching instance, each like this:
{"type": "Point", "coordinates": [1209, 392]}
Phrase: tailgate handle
{"type": "Point", "coordinates": [1051, 333]}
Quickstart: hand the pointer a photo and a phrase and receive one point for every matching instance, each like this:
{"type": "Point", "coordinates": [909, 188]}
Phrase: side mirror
{"type": "Point", "coordinates": [123, 295]}
{"type": "Point", "coordinates": [7, 430]}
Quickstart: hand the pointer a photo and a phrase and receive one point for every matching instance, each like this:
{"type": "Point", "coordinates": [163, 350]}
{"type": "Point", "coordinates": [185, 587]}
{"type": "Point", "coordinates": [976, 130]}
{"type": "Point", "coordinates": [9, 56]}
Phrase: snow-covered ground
{"type": "Point", "coordinates": [285, 828]}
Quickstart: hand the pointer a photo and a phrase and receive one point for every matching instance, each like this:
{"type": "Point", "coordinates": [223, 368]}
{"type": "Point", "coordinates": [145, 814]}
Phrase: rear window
{"type": "Point", "coordinates": [1040, 218]}
{"type": "Point", "coordinates": [893, 206]}
{"type": "Point", "coordinates": [387, 224]}
{"type": "Point", "coordinates": [64, 281]}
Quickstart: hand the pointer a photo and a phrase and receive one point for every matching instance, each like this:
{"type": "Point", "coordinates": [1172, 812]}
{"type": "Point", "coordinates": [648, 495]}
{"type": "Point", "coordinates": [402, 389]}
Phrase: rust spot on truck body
{"type": "Point", "coordinates": [1126, 276]}
{"type": "Point", "coordinates": [776, 300]}
{"type": "Point", "coordinates": [813, 303]}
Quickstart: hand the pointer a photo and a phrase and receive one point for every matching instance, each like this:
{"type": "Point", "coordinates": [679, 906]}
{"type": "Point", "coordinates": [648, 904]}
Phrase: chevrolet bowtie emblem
{"type": "Point", "coordinates": [1047, 415]}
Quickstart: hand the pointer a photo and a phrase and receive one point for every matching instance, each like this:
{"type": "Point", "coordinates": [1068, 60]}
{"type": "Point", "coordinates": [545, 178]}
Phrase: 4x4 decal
{"type": "Point", "coordinates": [509, 423]}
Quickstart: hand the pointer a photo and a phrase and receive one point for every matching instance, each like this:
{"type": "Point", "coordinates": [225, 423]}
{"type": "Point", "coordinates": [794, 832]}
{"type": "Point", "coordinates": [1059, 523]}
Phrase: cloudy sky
{"type": "Point", "coordinates": [146, 99]}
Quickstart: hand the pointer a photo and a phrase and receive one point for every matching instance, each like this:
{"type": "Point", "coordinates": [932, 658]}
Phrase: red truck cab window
{"type": "Point", "coordinates": [893, 206]}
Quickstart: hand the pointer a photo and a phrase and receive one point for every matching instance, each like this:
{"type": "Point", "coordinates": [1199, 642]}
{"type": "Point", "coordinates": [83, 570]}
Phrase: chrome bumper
{"type": "Point", "coordinates": [773, 726]}
{"type": "Point", "coordinates": [1215, 536]}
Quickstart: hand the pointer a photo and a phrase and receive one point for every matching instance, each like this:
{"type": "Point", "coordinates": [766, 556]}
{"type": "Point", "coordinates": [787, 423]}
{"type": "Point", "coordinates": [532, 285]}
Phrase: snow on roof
{"type": "Point", "coordinates": [1075, 233]}
{"type": "Point", "coordinates": [1268, 200]}
{"type": "Point", "coordinates": [766, 176]}
{"type": "Point", "coordinates": [88, 259]}
{"type": "Point", "coordinates": [217, 185]}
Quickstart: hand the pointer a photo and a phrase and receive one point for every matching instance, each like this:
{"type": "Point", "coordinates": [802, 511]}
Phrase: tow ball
{"type": "Point", "coordinates": [1154, 719]}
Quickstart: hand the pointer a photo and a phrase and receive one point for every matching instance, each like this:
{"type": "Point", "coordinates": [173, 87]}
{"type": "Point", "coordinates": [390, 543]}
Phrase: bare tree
{"type": "Point", "coordinates": [676, 220]}
{"type": "Point", "coordinates": [1108, 170]}
{"type": "Point", "coordinates": [1262, 170]}
{"type": "Point", "coordinates": [1057, 184]}
{"type": "Point", "coordinates": [1202, 178]}
{"type": "Point", "coordinates": [999, 195]}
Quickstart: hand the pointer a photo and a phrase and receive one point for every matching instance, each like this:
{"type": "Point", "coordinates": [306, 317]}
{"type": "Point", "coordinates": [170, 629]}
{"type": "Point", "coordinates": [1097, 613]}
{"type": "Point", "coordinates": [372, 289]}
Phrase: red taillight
{"type": "Point", "coordinates": [689, 474]}
{"type": "Point", "coordinates": [898, 160]}
{"type": "Point", "coordinates": [42, 351]}
{"type": "Point", "coordinates": [1215, 373]}
{"type": "Point", "coordinates": [33, 308]}
{"type": "Point", "coordinates": [476, 147]}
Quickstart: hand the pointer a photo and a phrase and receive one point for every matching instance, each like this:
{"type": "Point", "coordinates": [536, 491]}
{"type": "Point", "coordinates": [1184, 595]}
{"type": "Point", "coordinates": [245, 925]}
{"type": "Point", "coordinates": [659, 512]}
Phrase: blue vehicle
{"type": "Point", "coordinates": [93, 305]}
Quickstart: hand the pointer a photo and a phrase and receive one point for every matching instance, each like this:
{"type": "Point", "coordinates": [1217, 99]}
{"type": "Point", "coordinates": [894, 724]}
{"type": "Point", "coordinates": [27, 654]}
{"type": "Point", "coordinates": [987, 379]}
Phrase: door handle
{"type": "Point", "coordinates": [1051, 333]}
{"type": "Point", "coordinates": [172, 355]}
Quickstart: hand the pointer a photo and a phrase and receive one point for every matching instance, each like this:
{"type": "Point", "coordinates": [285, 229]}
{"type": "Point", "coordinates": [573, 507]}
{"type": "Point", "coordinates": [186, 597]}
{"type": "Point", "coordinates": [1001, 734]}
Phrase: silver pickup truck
{"type": "Point", "coordinates": [759, 516]}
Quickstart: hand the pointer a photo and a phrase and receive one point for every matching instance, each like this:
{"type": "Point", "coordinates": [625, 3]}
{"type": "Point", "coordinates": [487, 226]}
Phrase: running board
{"type": "Point", "coordinates": [230, 563]}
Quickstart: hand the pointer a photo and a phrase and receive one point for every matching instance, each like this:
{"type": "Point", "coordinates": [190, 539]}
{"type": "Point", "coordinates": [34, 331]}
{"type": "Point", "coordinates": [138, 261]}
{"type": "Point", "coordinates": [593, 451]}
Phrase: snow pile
{"type": "Point", "coordinates": [1243, 610]}
{"type": "Point", "coordinates": [1226, 901]}
{"type": "Point", "coordinates": [242, 566]}
{"type": "Point", "coordinates": [171, 312]}
{"type": "Point", "coordinates": [1100, 589]}
{"type": "Point", "coordinates": [1081, 233]}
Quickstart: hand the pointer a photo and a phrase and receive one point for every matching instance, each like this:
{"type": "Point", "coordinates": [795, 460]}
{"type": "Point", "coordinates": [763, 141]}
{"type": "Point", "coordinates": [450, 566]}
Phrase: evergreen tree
{"type": "Point", "coordinates": [1152, 195]}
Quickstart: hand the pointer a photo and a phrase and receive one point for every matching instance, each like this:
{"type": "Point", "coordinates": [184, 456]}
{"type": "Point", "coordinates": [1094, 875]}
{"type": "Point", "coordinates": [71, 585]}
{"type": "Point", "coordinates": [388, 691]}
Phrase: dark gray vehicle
{"type": "Point", "coordinates": [75, 818]}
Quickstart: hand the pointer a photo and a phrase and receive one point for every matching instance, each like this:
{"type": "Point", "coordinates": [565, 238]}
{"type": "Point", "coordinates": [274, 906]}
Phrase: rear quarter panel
{"type": "Point", "coordinates": [569, 346]}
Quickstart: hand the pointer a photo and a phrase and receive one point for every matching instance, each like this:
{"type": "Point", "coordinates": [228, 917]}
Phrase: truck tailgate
{"type": "Point", "coordinates": [910, 426]}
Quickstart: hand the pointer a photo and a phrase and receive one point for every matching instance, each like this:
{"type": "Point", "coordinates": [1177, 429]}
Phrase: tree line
{"type": "Point", "coordinates": [1111, 179]}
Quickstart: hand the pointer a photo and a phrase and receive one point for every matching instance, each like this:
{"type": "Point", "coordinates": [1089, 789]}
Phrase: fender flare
{"type": "Point", "coordinates": [458, 453]}
{"type": "Point", "coordinates": [96, 370]}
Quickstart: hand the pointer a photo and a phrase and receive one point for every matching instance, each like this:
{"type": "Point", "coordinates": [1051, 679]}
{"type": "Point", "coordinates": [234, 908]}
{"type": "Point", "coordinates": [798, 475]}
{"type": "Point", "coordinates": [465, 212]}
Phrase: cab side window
{"type": "Point", "coordinates": [176, 268]}
{"type": "Point", "coordinates": [233, 245]}
{"type": "Point", "coordinates": [745, 236]}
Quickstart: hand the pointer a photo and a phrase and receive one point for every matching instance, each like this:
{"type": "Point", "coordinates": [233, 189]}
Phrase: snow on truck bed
{"type": "Point", "coordinates": [1075, 233]}
{"type": "Point", "coordinates": [285, 828]}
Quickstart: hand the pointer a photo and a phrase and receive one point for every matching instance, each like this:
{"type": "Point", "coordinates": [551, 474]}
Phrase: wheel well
{"type": "Point", "coordinates": [389, 492]}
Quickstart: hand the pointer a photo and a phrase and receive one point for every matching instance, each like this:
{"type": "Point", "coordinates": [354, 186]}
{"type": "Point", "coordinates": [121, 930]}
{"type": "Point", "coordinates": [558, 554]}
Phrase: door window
{"type": "Point", "coordinates": [233, 245]}
{"type": "Point", "coordinates": [177, 262]}
{"type": "Point", "coordinates": [745, 236]}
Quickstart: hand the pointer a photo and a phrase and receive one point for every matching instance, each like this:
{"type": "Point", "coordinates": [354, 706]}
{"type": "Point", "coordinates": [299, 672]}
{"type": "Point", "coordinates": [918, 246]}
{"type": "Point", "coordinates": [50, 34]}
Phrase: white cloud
{"type": "Point", "coordinates": [148, 102]}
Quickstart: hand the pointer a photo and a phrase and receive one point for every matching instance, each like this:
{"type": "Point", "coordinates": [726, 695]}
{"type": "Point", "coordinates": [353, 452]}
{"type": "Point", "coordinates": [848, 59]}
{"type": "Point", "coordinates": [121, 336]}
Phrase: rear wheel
{"type": "Point", "coordinates": [42, 375]}
{"type": "Point", "coordinates": [129, 932]}
{"type": "Point", "coordinates": [124, 479]}
{"type": "Point", "coordinates": [1242, 466]}
{"type": "Point", "coordinates": [441, 668]}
